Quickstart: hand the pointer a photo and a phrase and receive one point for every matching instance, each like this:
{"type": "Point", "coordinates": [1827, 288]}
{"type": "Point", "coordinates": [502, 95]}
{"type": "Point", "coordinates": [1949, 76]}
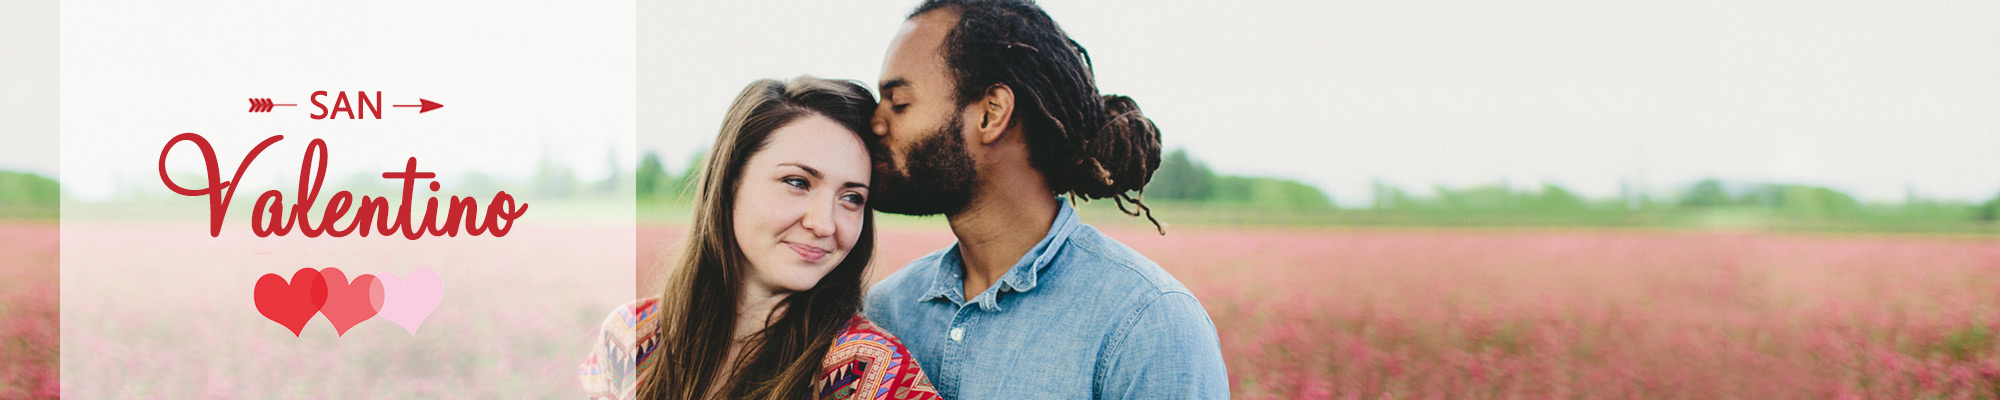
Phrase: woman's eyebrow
{"type": "Point", "coordinates": [809, 170]}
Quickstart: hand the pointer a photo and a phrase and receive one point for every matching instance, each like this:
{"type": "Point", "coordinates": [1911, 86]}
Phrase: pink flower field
{"type": "Point", "coordinates": [155, 310]}
{"type": "Point", "coordinates": [1301, 313]}
{"type": "Point", "coordinates": [1456, 314]}
{"type": "Point", "coordinates": [1370, 314]}
{"type": "Point", "coordinates": [28, 310]}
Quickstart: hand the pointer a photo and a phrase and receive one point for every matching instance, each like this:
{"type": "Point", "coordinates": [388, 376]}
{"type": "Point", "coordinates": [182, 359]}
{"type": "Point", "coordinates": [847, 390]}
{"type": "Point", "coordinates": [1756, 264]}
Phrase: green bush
{"type": "Point", "coordinates": [1184, 178]}
{"type": "Point", "coordinates": [25, 195]}
{"type": "Point", "coordinates": [1181, 178]}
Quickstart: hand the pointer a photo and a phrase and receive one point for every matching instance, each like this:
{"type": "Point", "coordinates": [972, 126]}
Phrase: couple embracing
{"type": "Point", "coordinates": [989, 115]}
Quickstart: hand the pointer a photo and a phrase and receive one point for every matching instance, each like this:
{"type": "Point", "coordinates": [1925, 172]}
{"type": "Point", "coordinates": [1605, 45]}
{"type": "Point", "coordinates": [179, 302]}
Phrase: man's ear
{"type": "Point", "coordinates": [996, 113]}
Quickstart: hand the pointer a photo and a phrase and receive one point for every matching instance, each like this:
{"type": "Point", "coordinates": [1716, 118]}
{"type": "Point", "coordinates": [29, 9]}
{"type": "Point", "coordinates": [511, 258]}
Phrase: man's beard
{"type": "Point", "coordinates": [937, 176]}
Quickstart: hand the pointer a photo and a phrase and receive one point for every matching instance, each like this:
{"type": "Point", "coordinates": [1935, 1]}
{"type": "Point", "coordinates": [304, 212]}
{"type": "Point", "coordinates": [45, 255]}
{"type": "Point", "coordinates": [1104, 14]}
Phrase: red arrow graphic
{"type": "Point", "coordinates": [264, 104]}
{"type": "Point", "coordinates": [424, 106]}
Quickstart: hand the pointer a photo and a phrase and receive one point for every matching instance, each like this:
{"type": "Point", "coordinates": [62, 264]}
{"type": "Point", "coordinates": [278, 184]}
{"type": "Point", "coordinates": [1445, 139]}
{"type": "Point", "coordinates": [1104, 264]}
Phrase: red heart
{"type": "Point", "coordinates": [349, 303]}
{"type": "Point", "coordinates": [291, 304]}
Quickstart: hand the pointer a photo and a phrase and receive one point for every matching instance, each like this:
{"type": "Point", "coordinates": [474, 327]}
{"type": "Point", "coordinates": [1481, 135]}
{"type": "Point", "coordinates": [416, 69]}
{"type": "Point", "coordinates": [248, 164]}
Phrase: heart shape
{"type": "Point", "coordinates": [349, 303]}
{"type": "Point", "coordinates": [291, 304]}
{"type": "Point", "coordinates": [408, 301]}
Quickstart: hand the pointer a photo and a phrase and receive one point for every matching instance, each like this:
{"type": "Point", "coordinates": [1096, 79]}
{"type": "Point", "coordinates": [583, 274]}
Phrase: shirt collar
{"type": "Point", "coordinates": [1022, 277]}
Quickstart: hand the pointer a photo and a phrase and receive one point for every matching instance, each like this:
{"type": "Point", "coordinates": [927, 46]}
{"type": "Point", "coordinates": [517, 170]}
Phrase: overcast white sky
{"type": "Point", "coordinates": [518, 81]}
{"type": "Point", "coordinates": [1871, 97]}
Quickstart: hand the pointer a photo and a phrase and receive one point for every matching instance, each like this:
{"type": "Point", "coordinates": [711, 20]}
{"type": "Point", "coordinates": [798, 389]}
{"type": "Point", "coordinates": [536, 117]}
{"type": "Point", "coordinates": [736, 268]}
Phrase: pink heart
{"type": "Point", "coordinates": [408, 301]}
{"type": "Point", "coordinates": [349, 303]}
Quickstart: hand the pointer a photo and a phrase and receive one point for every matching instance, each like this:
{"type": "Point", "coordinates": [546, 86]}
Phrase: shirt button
{"type": "Point", "coordinates": [957, 334]}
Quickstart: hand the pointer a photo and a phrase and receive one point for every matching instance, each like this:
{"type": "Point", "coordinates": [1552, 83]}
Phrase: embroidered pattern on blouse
{"type": "Point", "coordinates": [865, 362]}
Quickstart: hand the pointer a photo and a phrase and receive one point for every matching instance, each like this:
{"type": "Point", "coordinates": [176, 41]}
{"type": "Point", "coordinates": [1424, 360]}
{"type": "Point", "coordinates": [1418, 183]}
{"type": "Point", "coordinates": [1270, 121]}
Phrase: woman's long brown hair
{"type": "Point", "coordinates": [698, 298]}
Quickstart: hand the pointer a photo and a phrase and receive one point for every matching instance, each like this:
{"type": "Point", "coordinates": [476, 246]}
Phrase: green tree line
{"type": "Point", "coordinates": [1186, 182]}
{"type": "Point", "coordinates": [26, 195]}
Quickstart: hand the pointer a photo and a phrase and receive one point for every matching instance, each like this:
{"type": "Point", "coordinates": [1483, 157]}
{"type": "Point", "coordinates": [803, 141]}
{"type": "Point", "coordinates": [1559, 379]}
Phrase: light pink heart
{"type": "Point", "coordinates": [408, 300]}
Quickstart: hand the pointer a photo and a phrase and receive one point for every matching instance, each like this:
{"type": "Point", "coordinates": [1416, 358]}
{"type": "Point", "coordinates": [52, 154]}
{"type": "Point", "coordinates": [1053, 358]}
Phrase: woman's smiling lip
{"type": "Point", "coordinates": [810, 253]}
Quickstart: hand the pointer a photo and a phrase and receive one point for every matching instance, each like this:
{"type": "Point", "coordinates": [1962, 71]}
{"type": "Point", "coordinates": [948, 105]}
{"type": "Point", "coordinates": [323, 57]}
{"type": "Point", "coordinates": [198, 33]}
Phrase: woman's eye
{"type": "Point", "coordinates": [856, 199]}
{"type": "Point", "coordinates": [797, 182]}
{"type": "Point", "coordinates": [899, 107]}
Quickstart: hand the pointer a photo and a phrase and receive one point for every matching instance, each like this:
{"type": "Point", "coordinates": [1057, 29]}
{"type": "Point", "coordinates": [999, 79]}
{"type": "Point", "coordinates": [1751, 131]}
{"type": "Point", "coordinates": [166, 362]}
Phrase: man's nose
{"type": "Point", "coordinates": [880, 123]}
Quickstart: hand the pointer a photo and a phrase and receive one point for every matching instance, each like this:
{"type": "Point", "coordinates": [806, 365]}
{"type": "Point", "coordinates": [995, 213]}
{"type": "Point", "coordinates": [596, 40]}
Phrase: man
{"type": "Point", "coordinates": [989, 113]}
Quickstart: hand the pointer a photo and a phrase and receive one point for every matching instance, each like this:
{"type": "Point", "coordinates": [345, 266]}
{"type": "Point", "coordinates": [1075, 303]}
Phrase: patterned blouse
{"type": "Point", "coordinates": [865, 362]}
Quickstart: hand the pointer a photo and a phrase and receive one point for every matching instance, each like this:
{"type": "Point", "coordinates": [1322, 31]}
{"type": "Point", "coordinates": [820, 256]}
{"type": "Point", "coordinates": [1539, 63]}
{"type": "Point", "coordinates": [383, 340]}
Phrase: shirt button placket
{"type": "Point", "coordinates": [956, 353]}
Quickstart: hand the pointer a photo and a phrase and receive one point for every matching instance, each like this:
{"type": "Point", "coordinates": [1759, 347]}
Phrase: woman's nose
{"type": "Point", "coordinates": [819, 220]}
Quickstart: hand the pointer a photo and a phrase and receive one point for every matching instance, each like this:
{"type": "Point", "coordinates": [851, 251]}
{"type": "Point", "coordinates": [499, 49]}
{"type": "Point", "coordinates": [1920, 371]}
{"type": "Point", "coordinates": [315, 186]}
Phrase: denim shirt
{"type": "Point", "coordinates": [1079, 316]}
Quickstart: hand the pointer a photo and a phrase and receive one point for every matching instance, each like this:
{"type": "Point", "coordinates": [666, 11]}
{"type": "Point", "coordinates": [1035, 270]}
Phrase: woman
{"type": "Point", "coordinates": [764, 301]}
